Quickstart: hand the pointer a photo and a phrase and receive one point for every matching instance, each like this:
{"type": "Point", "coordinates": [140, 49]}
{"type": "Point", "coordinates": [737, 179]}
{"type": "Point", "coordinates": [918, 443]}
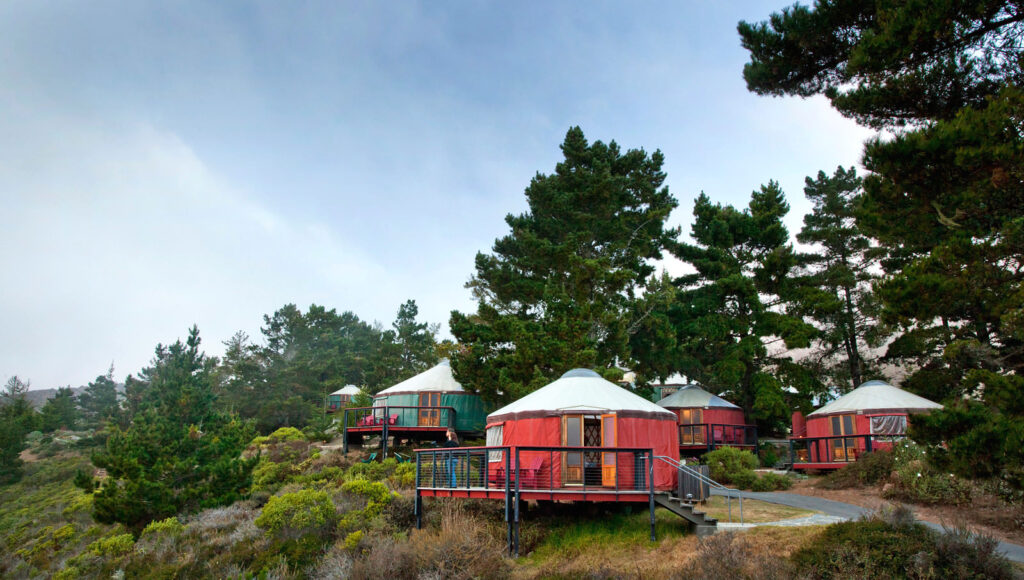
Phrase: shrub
{"type": "Point", "coordinates": [731, 555]}
{"type": "Point", "coordinates": [286, 434]}
{"type": "Point", "coordinates": [731, 465]}
{"type": "Point", "coordinates": [298, 514]}
{"type": "Point", "coordinates": [170, 526]}
{"type": "Point", "coordinates": [771, 482]}
{"type": "Point", "coordinates": [870, 469]}
{"type": "Point", "coordinates": [404, 476]}
{"type": "Point", "coordinates": [918, 484]}
{"type": "Point", "coordinates": [113, 546]}
{"type": "Point", "coordinates": [377, 494]}
{"type": "Point", "coordinates": [961, 553]}
{"type": "Point", "coordinates": [301, 523]}
{"type": "Point", "coordinates": [352, 540]}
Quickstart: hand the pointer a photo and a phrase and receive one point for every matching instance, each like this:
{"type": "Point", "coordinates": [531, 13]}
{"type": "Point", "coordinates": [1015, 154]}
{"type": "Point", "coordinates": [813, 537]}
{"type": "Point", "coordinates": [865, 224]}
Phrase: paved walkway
{"type": "Point", "coordinates": [843, 511]}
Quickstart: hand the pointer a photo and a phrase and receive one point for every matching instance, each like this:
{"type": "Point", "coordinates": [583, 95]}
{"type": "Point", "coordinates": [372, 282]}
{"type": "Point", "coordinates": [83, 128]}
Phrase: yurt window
{"type": "Point", "coordinates": [843, 449]}
{"type": "Point", "coordinates": [430, 417]}
{"type": "Point", "coordinates": [494, 439]}
{"type": "Point", "coordinates": [572, 436]}
{"type": "Point", "coordinates": [691, 431]}
{"type": "Point", "coordinates": [891, 425]}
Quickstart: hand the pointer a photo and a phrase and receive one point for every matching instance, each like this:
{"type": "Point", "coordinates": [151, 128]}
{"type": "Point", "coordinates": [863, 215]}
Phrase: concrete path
{"type": "Point", "coordinates": [845, 511]}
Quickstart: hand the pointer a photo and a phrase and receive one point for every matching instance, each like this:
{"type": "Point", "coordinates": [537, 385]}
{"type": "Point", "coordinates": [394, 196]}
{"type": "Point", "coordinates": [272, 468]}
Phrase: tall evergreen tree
{"type": "Point", "coordinates": [945, 193]}
{"type": "Point", "coordinates": [406, 349]}
{"type": "Point", "coordinates": [99, 401]}
{"type": "Point", "coordinates": [17, 418]}
{"type": "Point", "coordinates": [60, 411]}
{"type": "Point", "coordinates": [834, 288]}
{"type": "Point", "coordinates": [178, 454]}
{"type": "Point", "coordinates": [559, 290]}
{"type": "Point", "coordinates": [730, 308]}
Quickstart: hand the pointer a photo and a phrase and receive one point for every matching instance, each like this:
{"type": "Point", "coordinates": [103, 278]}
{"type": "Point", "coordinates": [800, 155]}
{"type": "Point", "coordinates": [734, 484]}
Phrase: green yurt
{"type": "Point", "coordinates": [435, 387]}
{"type": "Point", "coordinates": [341, 397]}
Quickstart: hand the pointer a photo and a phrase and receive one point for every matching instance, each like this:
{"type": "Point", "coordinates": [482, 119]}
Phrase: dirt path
{"type": "Point", "coordinates": [975, 516]}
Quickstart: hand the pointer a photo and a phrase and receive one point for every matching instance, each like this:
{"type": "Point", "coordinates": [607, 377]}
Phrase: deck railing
{"type": "Point", "coordinates": [399, 416]}
{"type": "Point", "coordinates": [835, 450]}
{"type": "Point", "coordinates": [714, 435]}
{"type": "Point", "coordinates": [563, 469]}
{"type": "Point", "coordinates": [697, 476]}
{"type": "Point", "coordinates": [518, 473]}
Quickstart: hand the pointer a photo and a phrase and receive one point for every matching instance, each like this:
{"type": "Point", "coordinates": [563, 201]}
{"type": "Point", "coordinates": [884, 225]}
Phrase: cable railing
{"type": "Point", "coordinates": [700, 477]}
{"type": "Point", "coordinates": [714, 435]}
{"type": "Point", "coordinates": [398, 416]}
{"type": "Point", "coordinates": [836, 449]}
{"type": "Point", "coordinates": [576, 470]}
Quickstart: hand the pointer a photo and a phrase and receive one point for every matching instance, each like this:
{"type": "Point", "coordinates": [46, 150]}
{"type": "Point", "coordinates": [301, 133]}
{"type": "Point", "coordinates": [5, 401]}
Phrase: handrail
{"type": "Point", "coordinates": [705, 479]}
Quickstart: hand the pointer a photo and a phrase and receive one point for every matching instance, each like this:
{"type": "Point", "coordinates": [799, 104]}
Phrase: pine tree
{"type": "Point", "coordinates": [178, 454]}
{"type": "Point", "coordinates": [834, 286]}
{"type": "Point", "coordinates": [99, 401]}
{"type": "Point", "coordinates": [59, 411]}
{"type": "Point", "coordinates": [561, 289]}
{"type": "Point", "coordinates": [729, 310]}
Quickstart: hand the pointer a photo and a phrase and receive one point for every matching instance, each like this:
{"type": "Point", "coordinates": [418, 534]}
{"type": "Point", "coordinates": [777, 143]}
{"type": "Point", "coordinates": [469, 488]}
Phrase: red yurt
{"type": "Point", "coordinates": [581, 410]}
{"type": "Point", "coordinates": [708, 421]}
{"type": "Point", "coordinates": [868, 417]}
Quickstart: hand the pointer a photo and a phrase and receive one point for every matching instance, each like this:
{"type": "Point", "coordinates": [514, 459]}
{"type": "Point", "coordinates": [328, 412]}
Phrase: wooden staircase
{"type": "Point", "coordinates": [703, 524]}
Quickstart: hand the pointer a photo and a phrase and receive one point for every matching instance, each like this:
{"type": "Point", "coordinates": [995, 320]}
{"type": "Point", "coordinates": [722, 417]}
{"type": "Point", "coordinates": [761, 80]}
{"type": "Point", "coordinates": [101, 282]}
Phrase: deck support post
{"type": "Point", "coordinates": [344, 432]}
{"type": "Point", "coordinates": [384, 437]}
{"type": "Point", "coordinates": [515, 536]}
{"type": "Point", "coordinates": [650, 482]}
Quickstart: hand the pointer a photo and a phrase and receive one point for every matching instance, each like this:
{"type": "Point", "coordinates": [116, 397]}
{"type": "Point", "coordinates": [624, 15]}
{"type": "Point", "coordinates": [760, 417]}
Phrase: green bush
{"type": "Point", "coordinates": [870, 469]}
{"type": "Point", "coordinates": [771, 482]}
{"type": "Point", "coordinates": [286, 434]}
{"type": "Point", "coordinates": [891, 544]}
{"type": "Point", "coordinates": [169, 526]}
{"type": "Point", "coordinates": [731, 465]}
{"type": "Point", "coordinates": [113, 546]}
{"type": "Point", "coordinates": [298, 514]}
{"type": "Point", "coordinates": [863, 549]}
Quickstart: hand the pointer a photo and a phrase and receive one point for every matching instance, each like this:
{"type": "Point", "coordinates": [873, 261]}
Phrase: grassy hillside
{"type": "Point", "coordinates": [315, 513]}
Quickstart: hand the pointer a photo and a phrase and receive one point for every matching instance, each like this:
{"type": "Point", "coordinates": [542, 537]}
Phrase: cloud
{"type": "Point", "coordinates": [119, 236]}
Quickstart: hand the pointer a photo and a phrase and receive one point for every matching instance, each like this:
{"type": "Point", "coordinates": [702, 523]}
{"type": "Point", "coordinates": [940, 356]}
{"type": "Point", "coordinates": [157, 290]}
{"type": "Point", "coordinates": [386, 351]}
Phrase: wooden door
{"type": "Point", "coordinates": [430, 417]}
{"type": "Point", "coordinates": [572, 461]}
{"type": "Point", "coordinates": [609, 438]}
{"type": "Point", "coordinates": [842, 449]}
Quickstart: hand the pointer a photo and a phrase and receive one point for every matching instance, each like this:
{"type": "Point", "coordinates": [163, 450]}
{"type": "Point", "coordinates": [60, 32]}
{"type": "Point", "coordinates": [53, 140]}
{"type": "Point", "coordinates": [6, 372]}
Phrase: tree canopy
{"type": "Point", "coordinates": [945, 188]}
{"type": "Point", "coordinates": [731, 307]}
{"type": "Point", "coordinates": [561, 289]}
{"type": "Point", "coordinates": [178, 454]}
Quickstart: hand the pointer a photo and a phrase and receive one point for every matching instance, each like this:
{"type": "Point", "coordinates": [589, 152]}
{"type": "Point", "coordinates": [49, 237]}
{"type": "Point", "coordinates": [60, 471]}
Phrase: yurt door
{"type": "Point", "coordinates": [608, 439]}
{"type": "Point", "coordinates": [572, 461]}
{"type": "Point", "coordinates": [430, 417]}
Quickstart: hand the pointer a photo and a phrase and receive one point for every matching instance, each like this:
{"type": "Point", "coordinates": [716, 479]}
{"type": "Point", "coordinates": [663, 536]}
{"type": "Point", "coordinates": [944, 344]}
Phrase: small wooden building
{"type": "Point", "coordinates": [869, 417]}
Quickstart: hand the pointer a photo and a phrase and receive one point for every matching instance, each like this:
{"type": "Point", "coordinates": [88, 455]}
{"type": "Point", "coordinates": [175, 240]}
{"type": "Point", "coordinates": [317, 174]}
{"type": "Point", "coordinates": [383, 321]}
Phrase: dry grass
{"type": "Point", "coordinates": [673, 557]}
{"type": "Point", "coordinates": [754, 511]}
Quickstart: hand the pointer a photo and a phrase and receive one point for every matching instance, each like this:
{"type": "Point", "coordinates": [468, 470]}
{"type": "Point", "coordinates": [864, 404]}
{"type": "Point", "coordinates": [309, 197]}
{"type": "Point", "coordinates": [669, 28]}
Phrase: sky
{"type": "Point", "coordinates": [164, 164]}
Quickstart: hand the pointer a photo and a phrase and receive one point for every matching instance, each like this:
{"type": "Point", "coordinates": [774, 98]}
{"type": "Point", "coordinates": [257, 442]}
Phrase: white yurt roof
{"type": "Point", "coordinates": [347, 390]}
{"type": "Point", "coordinates": [436, 379]}
{"type": "Point", "coordinates": [876, 396]}
{"type": "Point", "coordinates": [673, 380]}
{"type": "Point", "coordinates": [694, 396]}
{"type": "Point", "coordinates": [579, 391]}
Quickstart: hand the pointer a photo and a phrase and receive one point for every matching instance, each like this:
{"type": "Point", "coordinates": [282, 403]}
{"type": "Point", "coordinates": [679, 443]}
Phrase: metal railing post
{"type": "Point", "coordinates": [650, 484]}
{"type": "Point", "coordinates": [418, 505]}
